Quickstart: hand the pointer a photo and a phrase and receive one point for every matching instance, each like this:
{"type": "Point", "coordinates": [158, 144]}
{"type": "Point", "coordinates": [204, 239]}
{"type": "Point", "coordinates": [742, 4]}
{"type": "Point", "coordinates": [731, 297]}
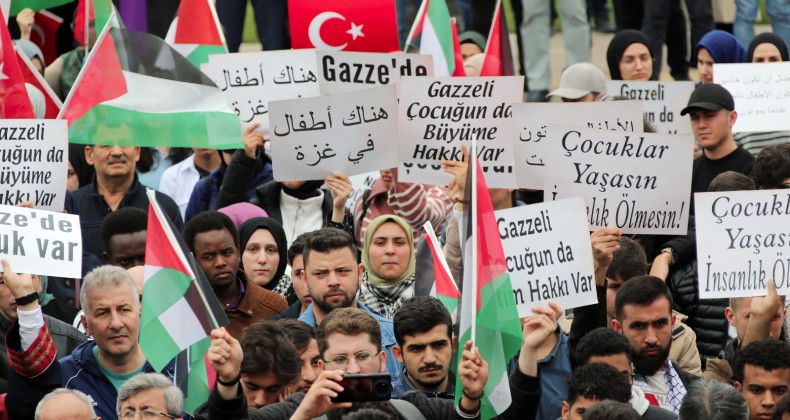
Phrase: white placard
{"type": "Point", "coordinates": [353, 133]}
{"type": "Point", "coordinates": [638, 182]}
{"type": "Point", "coordinates": [529, 129]}
{"type": "Point", "coordinates": [663, 102]}
{"type": "Point", "coordinates": [251, 80]}
{"type": "Point", "coordinates": [360, 183]}
{"type": "Point", "coordinates": [34, 162]}
{"type": "Point", "coordinates": [36, 241]}
{"type": "Point", "coordinates": [761, 92]}
{"type": "Point", "coordinates": [742, 242]}
{"type": "Point", "coordinates": [548, 254]}
{"type": "Point", "coordinates": [436, 115]}
{"type": "Point", "coordinates": [343, 71]}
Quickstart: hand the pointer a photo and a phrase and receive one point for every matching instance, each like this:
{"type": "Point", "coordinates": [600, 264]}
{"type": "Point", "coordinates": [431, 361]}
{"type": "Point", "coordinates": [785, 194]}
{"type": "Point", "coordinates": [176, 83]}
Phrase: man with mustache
{"type": "Point", "coordinates": [643, 313]}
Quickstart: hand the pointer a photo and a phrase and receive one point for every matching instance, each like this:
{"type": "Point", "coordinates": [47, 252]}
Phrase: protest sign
{"type": "Point", "coordinates": [662, 102]}
{"type": "Point", "coordinates": [341, 71]}
{"type": "Point", "coordinates": [761, 92]}
{"type": "Point", "coordinates": [742, 243]}
{"type": "Point", "coordinates": [436, 115]}
{"type": "Point", "coordinates": [360, 183]}
{"type": "Point", "coordinates": [34, 158]}
{"type": "Point", "coordinates": [353, 133]}
{"type": "Point", "coordinates": [638, 182]}
{"type": "Point", "coordinates": [251, 80]}
{"type": "Point", "coordinates": [41, 242]}
{"type": "Point", "coordinates": [548, 254]}
{"type": "Point", "coordinates": [529, 129]}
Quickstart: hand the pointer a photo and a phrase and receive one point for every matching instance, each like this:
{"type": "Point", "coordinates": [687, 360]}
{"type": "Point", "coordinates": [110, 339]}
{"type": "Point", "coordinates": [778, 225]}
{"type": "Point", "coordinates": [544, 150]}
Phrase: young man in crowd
{"type": "Point", "coordinates": [762, 375]}
{"type": "Point", "coordinates": [591, 384]}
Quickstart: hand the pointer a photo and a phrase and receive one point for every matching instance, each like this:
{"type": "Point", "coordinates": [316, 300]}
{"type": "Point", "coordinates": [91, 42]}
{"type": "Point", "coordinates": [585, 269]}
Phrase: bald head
{"type": "Point", "coordinates": [65, 404]}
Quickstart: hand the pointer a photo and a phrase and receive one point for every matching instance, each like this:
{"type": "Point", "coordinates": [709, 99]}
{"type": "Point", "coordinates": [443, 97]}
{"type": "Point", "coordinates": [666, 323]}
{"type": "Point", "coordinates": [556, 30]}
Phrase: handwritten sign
{"type": "Point", "coordinates": [341, 71]}
{"type": "Point", "coordinates": [529, 129]}
{"type": "Point", "coordinates": [41, 242]}
{"type": "Point", "coordinates": [638, 182]}
{"type": "Point", "coordinates": [548, 254]}
{"type": "Point", "coordinates": [251, 80]}
{"type": "Point", "coordinates": [761, 92]}
{"type": "Point", "coordinates": [740, 242]}
{"type": "Point", "coordinates": [349, 132]}
{"type": "Point", "coordinates": [662, 102]}
{"type": "Point", "coordinates": [33, 162]}
{"type": "Point", "coordinates": [436, 115]}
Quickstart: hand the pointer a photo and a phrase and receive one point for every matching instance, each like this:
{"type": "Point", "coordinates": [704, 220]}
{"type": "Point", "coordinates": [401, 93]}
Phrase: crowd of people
{"type": "Point", "coordinates": [316, 287]}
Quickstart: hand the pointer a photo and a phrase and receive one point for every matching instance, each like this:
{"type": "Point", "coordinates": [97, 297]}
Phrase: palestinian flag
{"type": "Point", "coordinates": [136, 90]}
{"type": "Point", "coordinates": [488, 314]}
{"type": "Point", "coordinates": [18, 5]}
{"type": "Point", "coordinates": [458, 56]}
{"type": "Point", "coordinates": [32, 76]}
{"type": "Point", "coordinates": [195, 32]}
{"type": "Point", "coordinates": [499, 57]}
{"type": "Point", "coordinates": [194, 375]}
{"type": "Point", "coordinates": [444, 287]}
{"type": "Point", "coordinates": [432, 34]}
{"type": "Point", "coordinates": [179, 308]}
{"type": "Point", "coordinates": [14, 101]}
{"type": "Point", "coordinates": [97, 11]}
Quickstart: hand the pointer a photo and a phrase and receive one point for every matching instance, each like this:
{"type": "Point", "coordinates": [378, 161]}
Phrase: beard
{"type": "Point", "coordinates": [429, 383]}
{"type": "Point", "coordinates": [326, 307]}
{"type": "Point", "coordinates": [650, 364]}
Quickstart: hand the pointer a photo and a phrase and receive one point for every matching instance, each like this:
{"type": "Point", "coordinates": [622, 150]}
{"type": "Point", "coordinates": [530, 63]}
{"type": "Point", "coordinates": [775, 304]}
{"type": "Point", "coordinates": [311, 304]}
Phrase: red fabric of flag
{"type": "Point", "coordinates": [14, 102]}
{"type": "Point", "coordinates": [349, 25]}
{"type": "Point", "coordinates": [45, 32]}
{"type": "Point", "coordinates": [459, 57]}
{"type": "Point", "coordinates": [499, 57]}
{"type": "Point", "coordinates": [32, 76]}
{"type": "Point", "coordinates": [197, 14]}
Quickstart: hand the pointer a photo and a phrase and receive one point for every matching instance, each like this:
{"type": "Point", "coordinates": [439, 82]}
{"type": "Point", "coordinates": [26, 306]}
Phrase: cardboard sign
{"type": "Point", "coordinates": [761, 92]}
{"type": "Point", "coordinates": [529, 130]}
{"type": "Point", "coordinates": [548, 254]}
{"type": "Point", "coordinates": [251, 80]}
{"type": "Point", "coordinates": [742, 242]}
{"type": "Point", "coordinates": [638, 182]}
{"type": "Point", "coordinates": [34, 162]}
{"type": "Point", "coordinates": [436, 115]}
{"type": "Point", "coordinates": [353, 133]}
{"type": "Point", "coordinates": [41, 242]}
{"type": "Point", "coordinates": [662, 102]}
{"type": "Point", "coordinates": [341, 71]}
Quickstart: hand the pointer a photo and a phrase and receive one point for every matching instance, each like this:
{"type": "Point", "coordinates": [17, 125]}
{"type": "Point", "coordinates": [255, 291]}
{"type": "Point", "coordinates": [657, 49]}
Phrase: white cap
{"type": "Point", "coordinates": [579, 80]}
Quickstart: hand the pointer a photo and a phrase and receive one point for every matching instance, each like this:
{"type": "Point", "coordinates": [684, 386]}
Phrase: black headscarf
{"type": "Point", "coordinates": [307, 190]}
{"type": "Point", "coordinates": [617, 48]}
{"type": "Point", "coordinates": [81, 167]}
{"type": "Point", "coordinates": [276, 229]}
{"type": "Point", "coordinates": [771, 39]}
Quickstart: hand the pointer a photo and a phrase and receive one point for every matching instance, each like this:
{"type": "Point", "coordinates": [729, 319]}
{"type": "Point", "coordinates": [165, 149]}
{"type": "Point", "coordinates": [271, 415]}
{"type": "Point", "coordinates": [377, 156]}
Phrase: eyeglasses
{"type": "Point", "coordinates": [144, 414]}
{"type": "Point", "coordinates": [340, 361]}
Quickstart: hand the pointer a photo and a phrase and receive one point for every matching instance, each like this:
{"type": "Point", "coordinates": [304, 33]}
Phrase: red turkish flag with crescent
{"type": "Point", "coordinates": [348, 25]}
{"type": "Point", "coordinates": [45, 32]}
{"type": "Point", "coordinates": [14, 102]}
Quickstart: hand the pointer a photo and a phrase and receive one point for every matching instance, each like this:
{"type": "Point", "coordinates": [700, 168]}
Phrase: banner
{"type": "Point", "coordinates": [529, 130]}
{"type": "Point", "coordinates": [548, 254]}
{"type": "Point", "coordinates": [340, 71]}
{"type": "Point", "coordinates": [353, 133]}
{"type": "Point", "coordinates": [662, 102]}
{"type": "Point", "coordinates": [34, 159]}
{"type": "Point", "coordinates": [436, 115]}
{"type": "Point", "coordinates": [251, 80]}
{"type": "Point", "coordinates": [638, 182]}
{"type": "Point", "coordinates": [741, 242]}
{"type": "Point", "coordinates": [761, 92]}
{"type": "Point", "coordinates": [41, 242]}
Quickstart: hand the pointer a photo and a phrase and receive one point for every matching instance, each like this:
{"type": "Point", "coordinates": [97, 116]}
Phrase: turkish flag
{"type": "Point", "coordinates": [14, 102]}
{"type": "Point", "coordinates": [349, 25]}
{"type": "Point", "coordinates": [45, 32]}
{"type": "Point", "coordinates": [32, 76]}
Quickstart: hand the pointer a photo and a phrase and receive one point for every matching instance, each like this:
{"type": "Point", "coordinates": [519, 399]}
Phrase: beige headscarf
{"type": "Point", "coordinates": [373, 277]}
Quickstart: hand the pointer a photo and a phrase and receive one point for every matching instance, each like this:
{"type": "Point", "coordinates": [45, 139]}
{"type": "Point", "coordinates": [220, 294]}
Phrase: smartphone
{"type": "Point", "coordinates": [365, 387]}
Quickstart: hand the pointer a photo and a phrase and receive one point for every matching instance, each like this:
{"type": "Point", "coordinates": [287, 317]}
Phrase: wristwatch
{"type": "Point", "coordinates": [672, 255]}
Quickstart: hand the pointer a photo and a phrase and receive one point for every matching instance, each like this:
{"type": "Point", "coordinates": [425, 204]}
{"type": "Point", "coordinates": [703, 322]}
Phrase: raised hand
{"type": "Point", "coordinates": [317, 401]}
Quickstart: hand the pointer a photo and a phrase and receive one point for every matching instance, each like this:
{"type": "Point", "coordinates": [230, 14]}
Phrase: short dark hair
{"type": "Point", "coordinates": [122, 221]}
{"type": "Point", "coordinates": [611, 410]}
{"type": "Point", "coordinates": [420, 314]}
{"type": "Point", "coordinates": [298, 332]}
{"type": "Point", "coordinates": [601, 342]}
{"type": "Point", "coordinates": [350, 322]}
{"type": "Point", "coordinates": [297, 247]}
{"type": "Point", "coordinates": [266, 348]}
{"type": "Point", "coordinates": [641, 291]}
{"type": "Point", "coordinates": [328, 239]}
{"type": "Point", "coordinates": [767, 354]}
{"type": "Point", "coordinates": [772, 166]}
{"type": "Point", "coordinates": [598, 381]}
{"type": "Point", "coordinates": [731, 181]}
{"type": "Point", "coordinates": [207, 221]}
{"type": "Point", "coordinates": [628, 261]}
{"type": "Point", "coordinates": [782, 408]}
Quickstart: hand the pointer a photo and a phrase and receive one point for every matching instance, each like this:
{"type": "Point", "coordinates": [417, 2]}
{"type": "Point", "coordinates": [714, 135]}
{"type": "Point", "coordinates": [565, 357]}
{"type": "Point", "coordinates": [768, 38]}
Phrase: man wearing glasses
{"type": "Point", "coordinates": [151, 396]}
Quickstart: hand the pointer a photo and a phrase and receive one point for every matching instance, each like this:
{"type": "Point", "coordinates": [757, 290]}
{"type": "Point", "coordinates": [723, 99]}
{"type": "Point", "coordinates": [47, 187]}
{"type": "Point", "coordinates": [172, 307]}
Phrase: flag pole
{"type": "Point", "coordinates": [420, 13]}
{"type": "Point", "coordinates": [475, 233]}
{"type": "Point", "coordinates": [87, 25]}
{"type": "Point", "coordinates": [217, 24]}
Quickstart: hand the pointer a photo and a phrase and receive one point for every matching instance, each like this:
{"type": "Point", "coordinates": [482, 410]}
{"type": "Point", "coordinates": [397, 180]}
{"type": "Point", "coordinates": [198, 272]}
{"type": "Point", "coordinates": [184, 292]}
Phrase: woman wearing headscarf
{"type": "Point", "coordinates": [764, 48]}
{"type": "Point", "coordinates": [717, 47]}
{"type": "Point", "coordinates": [628, 56]}
{"type": "Point", "coordinates": [80, 173]}
{"type": "Point", "coordinates": [389, 261]}
{"type": "Point", "coordinates": [264, 255]}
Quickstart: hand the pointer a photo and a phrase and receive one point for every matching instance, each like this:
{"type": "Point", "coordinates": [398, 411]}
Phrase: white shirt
{"type": "Point", "coordinates": [178, 181]}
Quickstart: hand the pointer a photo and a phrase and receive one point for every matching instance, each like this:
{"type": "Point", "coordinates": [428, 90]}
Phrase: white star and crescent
{"type": "Point", "coordinates": [314, 30]}
{"type": "Point", "coordinates": [355, 31]}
